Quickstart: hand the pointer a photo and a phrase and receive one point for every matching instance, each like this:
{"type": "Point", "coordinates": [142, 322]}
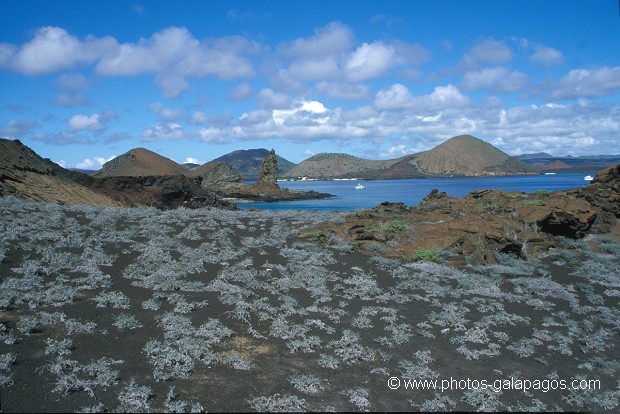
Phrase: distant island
{"type": "Point", "coordinates": [143, 177]}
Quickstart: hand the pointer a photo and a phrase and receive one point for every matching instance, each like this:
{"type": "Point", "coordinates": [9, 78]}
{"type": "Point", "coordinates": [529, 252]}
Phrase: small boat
{"type": "Point", "coordinates": [359, 186]}
{"type": "Point", "coordinates": [588, 178]}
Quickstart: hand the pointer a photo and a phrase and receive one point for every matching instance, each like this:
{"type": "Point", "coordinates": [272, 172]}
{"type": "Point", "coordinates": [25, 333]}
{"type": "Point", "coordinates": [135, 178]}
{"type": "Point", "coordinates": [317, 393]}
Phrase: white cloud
{"type": "Point", "coordinates": [192, 160]}
{"type": "Point", "coordinates": [488, 51]}
{"type": "Point", "coordinates": [269, 99]}
{"type": "Point", "coordinates": [170, 131]}
{"type": "Point", "coordinates": [495, 80]}
{"type": "Point", "coordinates": [314, 69]}
{"type": "Point", "coordinates": [53, 49]}
{"type": "Point", "coordinates": [398, 97]}
{"type": "Point", "coordinates": [369, 61]}
{"type": "Point", "coordinates": [547, 56]}
{"type": "Point", "coordinates": [94, 163]}
{"type": "Point", "coordinates": [173, 55]}
{"type": "Point", "coordinates": [93, 122]}
{"type": "Point", "coordinates": [303, 112]}
{"type": "Point", "coordinates": [330, 40]}
{"type": "Point", "coordinates": [588, 83]}
{"type": "Point", "coordinates": [212, 135]}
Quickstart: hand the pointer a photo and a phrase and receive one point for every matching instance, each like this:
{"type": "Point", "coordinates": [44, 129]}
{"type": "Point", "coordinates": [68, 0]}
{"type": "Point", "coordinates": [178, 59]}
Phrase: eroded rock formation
{"type": "Point", "coordinates": [268, 174]}
{"type": "Point", "coordinates": [485, 221]}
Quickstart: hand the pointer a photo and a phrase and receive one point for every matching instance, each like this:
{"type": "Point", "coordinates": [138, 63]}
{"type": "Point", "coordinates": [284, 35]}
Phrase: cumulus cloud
{"type": "Point", "coordinates": [53, 49]}
{"type": "Point", "coordinates": [303, 112]}
{"type": "Point", "coordinates": [270, 99]}
{"type": "Point", "coordinates": [489, 51]}
{"type": "Point", "coordinates": [547, 56]}
{"type": "Point", "coordinates": [580, 83]}
{"type": "Point", "coordinates": [94, 163]}
{"type": "Point", "coordinates": [192, 160]}
{"type": "Point", "coordinates": [369, 61]}
{"type": "Point", "coordinates": [398, 97]}
{"type": "Point", "coordinates": [173, 55]}
{"type": "Point", "coordinates": [169, 131]}
{"type": "Point", "coordinates": [93, 122]}
{"type": "Point", "coordinates": [495, 80]}
{"type": "Point", "coordinates": [330, 40]}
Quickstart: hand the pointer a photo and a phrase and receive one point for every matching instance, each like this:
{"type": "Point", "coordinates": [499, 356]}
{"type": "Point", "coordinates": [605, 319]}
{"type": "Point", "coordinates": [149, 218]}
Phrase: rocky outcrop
{"type": "Point", "coordinates": [484, 222]}
{"type": "Point", "coordinates": [268, 174]}
{"type": "Point", "coordinates": [267, 188]}
{"type": "Point", "coordinates": [164, 192]}
{"type": "Point", "coordinates": [23, 173]}
{"type": "Point", "coordinates": [216, 176]}
{"type": "Point", "coordinates": [604, 193]}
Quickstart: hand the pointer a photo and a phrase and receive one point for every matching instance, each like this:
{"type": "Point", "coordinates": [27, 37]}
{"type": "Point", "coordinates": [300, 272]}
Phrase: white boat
{"type": "Point", "coordinates": [588, 178]}
{"type": "Point", "coordinates": [359, 186]}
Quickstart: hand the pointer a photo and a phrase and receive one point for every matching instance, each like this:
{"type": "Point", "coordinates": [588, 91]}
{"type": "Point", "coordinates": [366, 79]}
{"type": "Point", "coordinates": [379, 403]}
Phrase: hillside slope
{"type": "Point", "coordinates": [469, 156]}
{"type": "Point", "coordinates": [248, 162]}
{"type": "Point", "coordinates": [24, 174]}
{"type": "Point", "coordinates": [140, 162]}
{"type": "Point", "coordinates": [330, 165]}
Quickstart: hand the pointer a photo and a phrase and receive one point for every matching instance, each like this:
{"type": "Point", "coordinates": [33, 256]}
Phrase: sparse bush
{"type": "Point", "coordinates": [313, 235]}
{"type": "Point", "coordinates": [116, 300]}
{"type": "Point", "coordinates": [278, 404]}
{"type": "Point", "coordinates": [358, 397]}
{"type": "Point", "coordinates": [126, 321]}
{"type": "Point", "coordinates": [427, 255]}
{"type": "Point", "coordinates": [135, 398]}
{"type": "Point", "coordinates": [396, 226]}
{"type": "Point", "coordinates": [308, 384]}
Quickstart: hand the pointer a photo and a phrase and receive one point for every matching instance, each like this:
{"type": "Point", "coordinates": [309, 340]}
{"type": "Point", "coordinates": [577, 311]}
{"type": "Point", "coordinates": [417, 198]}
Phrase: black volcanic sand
{"type": "Point", "coordinates": [232, 311]}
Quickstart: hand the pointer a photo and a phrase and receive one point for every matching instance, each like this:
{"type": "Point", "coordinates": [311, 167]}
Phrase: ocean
{"type": "Point", "coordinates": [410, 191]}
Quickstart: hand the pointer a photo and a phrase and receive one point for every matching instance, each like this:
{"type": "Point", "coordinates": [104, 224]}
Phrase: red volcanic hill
{"type": "Point", "coordinates": [140, 162]}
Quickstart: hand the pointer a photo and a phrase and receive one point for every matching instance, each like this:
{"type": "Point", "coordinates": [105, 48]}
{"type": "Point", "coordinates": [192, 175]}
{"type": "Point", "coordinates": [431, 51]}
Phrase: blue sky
{"type": "Point", "coordinates": [84, 81]}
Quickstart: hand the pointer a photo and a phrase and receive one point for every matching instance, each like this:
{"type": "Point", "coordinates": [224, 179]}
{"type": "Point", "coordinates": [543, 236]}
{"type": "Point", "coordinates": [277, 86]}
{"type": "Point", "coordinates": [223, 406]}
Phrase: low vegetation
{"type": "Point", "coordinates": [142, 310]}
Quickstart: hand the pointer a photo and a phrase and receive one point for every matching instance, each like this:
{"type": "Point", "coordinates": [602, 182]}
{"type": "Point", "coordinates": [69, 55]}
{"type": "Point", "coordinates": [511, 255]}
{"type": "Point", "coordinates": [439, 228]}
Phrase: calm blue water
{"type": "Point", "coordinates": [411, 192]}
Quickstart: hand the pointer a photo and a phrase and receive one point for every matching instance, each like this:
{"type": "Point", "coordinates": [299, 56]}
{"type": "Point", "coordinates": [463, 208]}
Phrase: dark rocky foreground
{"type": "Point", "coordinates": [144, 310]}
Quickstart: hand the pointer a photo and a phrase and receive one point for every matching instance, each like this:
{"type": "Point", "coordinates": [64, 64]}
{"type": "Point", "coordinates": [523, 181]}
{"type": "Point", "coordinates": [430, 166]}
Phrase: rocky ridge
{"type": "Point", "coordinates": [485, 222]}
{"type": "Point", "coordinates": [23, 173]}
{"type": "Point", "coordinates": [266, 188]}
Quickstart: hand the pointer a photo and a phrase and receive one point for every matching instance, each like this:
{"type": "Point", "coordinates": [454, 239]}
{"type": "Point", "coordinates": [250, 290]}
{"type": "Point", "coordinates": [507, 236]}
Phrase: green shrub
{"type": "Point", "coordinates": [428, 255]}
{"type": "Point", "coordinates": [313, 235]}
{"type": "Point", "coordinates": [396, 226]}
